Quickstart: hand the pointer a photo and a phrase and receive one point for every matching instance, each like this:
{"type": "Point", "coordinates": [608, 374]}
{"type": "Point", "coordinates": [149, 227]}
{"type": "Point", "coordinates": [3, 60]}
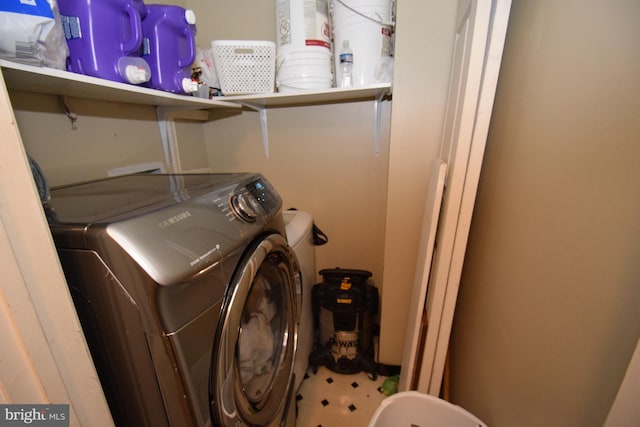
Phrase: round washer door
{"type": "Point", "coordinates": [255, 344]}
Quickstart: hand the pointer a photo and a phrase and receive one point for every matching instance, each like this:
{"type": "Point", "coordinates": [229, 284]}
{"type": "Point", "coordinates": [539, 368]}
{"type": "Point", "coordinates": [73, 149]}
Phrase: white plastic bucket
{"type": "Point", "coordinates": [305, 64]}
{"type": "Point", "coordinates": [366, 24]}
{"type": "Point", "coordinates": [303, 85]}
{"type": "Point", "coordinates": [411, 408]}
{"type": "Point", "coordinates": [303, 43]}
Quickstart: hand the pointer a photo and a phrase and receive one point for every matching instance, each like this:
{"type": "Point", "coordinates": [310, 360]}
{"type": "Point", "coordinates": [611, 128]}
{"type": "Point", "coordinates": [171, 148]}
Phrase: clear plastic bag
{"type": "Point", "coordinates": [204, 60]}
{"type": "Point", "coordinates": [31, 32]}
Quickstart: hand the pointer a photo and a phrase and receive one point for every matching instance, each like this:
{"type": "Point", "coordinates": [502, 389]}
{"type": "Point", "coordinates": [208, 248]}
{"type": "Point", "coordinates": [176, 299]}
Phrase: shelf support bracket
{"type": "Point", "coordinates": [167, 123]}
{"type": "Point", "coordinates": [264, 129]}
{"type": "Point", "coordinates": [377, 111]}
{"type": "Point", "coordinates": [169, 139]}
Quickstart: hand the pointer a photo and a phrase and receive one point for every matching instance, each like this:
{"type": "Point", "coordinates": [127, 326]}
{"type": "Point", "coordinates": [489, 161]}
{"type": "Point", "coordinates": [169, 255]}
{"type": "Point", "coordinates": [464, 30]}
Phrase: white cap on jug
{"type": "Point", "coordinates": [190, 16]}
{"type": "Point", "coordinates": [189, 85]}
{"type": "Point", "coordinates": [136, 74]}
{"type": "Point", "coordinates": [134, 69]}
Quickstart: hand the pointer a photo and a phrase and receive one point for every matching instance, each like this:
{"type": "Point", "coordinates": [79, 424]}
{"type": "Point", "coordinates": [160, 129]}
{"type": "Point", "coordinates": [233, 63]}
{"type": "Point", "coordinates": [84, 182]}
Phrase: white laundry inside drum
{"type": "Point", "coordinates": [262, 328]}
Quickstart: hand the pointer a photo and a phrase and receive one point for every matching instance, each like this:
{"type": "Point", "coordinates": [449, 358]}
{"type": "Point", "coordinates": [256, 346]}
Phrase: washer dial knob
{"type": "Point", "coordinates": [242, 208]}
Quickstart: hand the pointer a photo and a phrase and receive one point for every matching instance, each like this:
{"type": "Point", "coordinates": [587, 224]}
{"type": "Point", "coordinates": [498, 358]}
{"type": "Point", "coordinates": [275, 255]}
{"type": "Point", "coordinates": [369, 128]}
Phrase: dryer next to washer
{"type": "Point", "coordinates": [186, 290]}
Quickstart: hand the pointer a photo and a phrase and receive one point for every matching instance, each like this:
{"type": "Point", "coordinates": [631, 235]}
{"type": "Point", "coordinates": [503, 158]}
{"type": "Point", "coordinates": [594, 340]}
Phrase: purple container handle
{"type": "Point", "coordinates": [133, 44]}
{"type": "Point", "coordinates": [191, 55]}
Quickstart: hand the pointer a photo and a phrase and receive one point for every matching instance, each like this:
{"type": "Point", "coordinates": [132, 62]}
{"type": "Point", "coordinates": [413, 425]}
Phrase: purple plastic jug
{"type": "Point", "coordinates": [104, 38]}
{"type": "Point", "coordinates": [169, 47]}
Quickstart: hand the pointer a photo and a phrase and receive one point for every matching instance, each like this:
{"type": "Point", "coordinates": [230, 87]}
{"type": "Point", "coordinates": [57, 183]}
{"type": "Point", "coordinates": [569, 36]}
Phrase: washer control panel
{"type": "Point", "coordinates": [255, 197]}
{"type": "Point", "coordinates": [243, 206]}
{"type": "Point", "coordinates": [266, 196]}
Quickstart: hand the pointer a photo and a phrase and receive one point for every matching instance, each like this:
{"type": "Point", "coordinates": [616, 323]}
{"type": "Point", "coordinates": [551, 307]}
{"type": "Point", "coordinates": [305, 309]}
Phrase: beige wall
{"type": "Point", "coordinates": [548, 314]}
{"type": "Point", "coordinates": [235, 20]}
{"type": "Point", "coordinates": [108, 135]}
{"type": "Point", "coordinates": [322, 160]}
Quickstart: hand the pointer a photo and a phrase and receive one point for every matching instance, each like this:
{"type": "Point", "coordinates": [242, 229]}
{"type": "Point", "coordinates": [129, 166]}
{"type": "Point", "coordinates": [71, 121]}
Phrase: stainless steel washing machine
{"type": "Point", "coordinates": [188, 295]}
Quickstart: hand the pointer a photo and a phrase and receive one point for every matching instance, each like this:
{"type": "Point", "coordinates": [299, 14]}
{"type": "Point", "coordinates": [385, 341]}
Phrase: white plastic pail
{"type": "Point", "coordinates": [411, 408]}
{"type": "Point", "coordinates": [308, 69]}
{"type": "Point", "coordinates": [303, 45]}
{"type": "Point", "coordinates": [366, 24]}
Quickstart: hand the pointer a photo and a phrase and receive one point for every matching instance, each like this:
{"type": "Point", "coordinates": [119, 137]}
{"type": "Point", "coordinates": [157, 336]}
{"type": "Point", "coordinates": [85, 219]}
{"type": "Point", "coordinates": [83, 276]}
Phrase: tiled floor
{"type": "Point", "coordinates": [329, 399]}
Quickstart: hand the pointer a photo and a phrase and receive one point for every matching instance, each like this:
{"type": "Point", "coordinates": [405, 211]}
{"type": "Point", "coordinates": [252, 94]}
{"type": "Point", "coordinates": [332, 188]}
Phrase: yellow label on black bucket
{"type": "Point", "coordinates": [344, 300]}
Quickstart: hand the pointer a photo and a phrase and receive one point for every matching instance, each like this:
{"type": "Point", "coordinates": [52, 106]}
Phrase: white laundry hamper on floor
{"type": "Point", "coordinates": [414, 409]}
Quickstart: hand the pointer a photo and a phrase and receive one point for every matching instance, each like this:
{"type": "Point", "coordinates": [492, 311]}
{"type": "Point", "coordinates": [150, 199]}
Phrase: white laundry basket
{"type": "Point", "coordinates": [414, 409]}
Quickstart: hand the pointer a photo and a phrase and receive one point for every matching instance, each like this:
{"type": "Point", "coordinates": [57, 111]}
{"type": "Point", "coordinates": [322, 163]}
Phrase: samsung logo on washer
{"type": "Point", "coordinates": [35, 415]}
{"type": "Point", "coordinates": [174, 219]}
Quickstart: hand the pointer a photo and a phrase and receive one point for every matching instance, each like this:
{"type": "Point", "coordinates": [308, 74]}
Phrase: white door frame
{"type": "Point", "coordinates": [45, 358]}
